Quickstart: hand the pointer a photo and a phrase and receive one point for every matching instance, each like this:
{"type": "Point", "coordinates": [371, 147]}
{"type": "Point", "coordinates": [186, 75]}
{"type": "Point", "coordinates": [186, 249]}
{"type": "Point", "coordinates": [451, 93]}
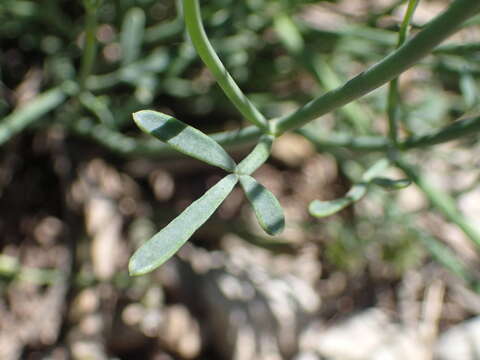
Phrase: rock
{"type": "Point", "coordinates": [369, 335]}
{"type": "Point", "coordinates": [460, 342]}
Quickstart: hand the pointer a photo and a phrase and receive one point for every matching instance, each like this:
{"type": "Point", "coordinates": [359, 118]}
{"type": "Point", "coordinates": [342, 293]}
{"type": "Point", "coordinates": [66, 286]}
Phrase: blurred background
{"type": "Point", "coordinates": [81, 188]}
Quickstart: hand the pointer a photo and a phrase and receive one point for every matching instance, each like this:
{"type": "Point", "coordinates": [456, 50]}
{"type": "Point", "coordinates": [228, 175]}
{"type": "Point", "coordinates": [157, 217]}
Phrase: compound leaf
{"type": "Point", "coordinates": [184, 138]}
{"type": "Point", "coordinates": [168, 241]}
{"type": "Point", "coordinates": [266, 206]}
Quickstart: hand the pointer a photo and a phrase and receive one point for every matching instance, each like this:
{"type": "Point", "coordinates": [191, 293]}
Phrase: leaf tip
{"type": "Point", "coordinates": [275, 229]}
{"type": "Point", "coordinates": [139, 116]}
{"type": "Point", "coordinates": [321, 209]}
{"type": "Point", "coordinates": [390, 184]}
{"type": "Point", "coordinates": [133, 268]}
{"type": "Point", "coordinates": [137, 267]}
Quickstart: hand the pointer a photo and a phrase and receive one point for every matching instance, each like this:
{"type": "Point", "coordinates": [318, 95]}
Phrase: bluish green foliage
{"type": "Point", "coordinates": [168, 241]}
{"type": "Point", "coordinates": [326, 208]}
{"type": "Point", "coordinates": [257, 157]}
{"type": "Point", "coordinates": [267, 208]}
{"type": "Point", "coordinates": [194, 143]}
{"type": "Point", "coordinates": [141, 69]}
{"type": "Point", "coordinates": [390, 184]}
{"type": "Point", "coordinates": [184, 138]}
{"type": "Point", "coordinates": [132, 35]}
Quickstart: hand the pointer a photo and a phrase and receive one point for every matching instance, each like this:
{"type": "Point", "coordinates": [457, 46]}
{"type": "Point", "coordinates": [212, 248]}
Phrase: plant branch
{"type": "Point", "coordinates": [390, 67]}
{"type": "Point", "coordinates": [337, 140]}
{"type": "Point", "coordinates": [90, 47]}
{"type": "Point", "coordinates": [456, 130]}
{"type": "Point", "coordinates": [193, 21]}
{"type": "Point", "coordinates": [440, 200]}
{"type": "Point", "coordinates": [393, 107]}
{"type": "Point", "coordinates": [291, 38]}
{"type": "Point", "coordinates": [131, 146]}
{"type": "Point", "coordinates": [28, 114]}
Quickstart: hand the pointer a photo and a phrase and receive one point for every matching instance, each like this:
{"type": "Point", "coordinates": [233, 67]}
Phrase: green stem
{"type": "Point", "coordinates": [193, 21]}
{"type": "Point", "coordinates": [458, 49]}
{"type": "Point", "coordinates": [442, 201]}
{"type": "Point", "coordinates": [447, 258]}
{"type": "Point", "coordinates": [30, 113]}
{"type": "Point", "coordinates": [90, 48]}
{"type": "Point", "coordinates": [456, 130]}
{"type": "Point", "coordinates": [129, 146]}
{"type": "Point", "coordinates": [393, 65]}
{"type": "Point", "coordinates": [393, 109]}
{"type": "Point", "coordinates": [11, 267]}
{"type": "Point", "coordinates": [292, 39]}
{"type": "Point", "coordinates": [332, 141]}
{"type": "Point", "coordinates": [321, 209]}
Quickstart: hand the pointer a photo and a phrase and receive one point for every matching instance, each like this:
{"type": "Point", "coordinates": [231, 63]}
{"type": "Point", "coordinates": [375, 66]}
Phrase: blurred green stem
{"type": "Point", "coordinates": [292, 39]}
{"type": "Point", "coordinates": [90, 42]}
{"type": "Point", "coordinates": [131, 146]}
{"type": "Point", "coordinates": [11, 267]}
{"type": "Point", "coordinates": [393, 107]}
{"type": "Point", "coordinates": [393, 65]}
{"type": "Point", "coordinates": [456, 130]}
{"type": "Point", "coordinates": [321, 209]}
{"type": "Point", "coordinates": [31, 112]}
{"type": "Point", "coordinates": [446, 257]}
{"type": "Point", "coordinates": [193, 21]}
{"type": "Point", "coordinates": [440, 200]}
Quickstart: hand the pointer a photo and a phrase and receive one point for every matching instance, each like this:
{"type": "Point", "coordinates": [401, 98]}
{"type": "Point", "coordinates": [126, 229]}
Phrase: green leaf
{"type": "Point", "coordinates": [184, 138]}
{"type": "Point", "coordinates": [257, 157]}
{"type": "Point", "coordinates": [266, 206]}
{"type": "Point", "coordinates": [289, 34]}
{"type": "Point", "coordinates": [168, 241]}
{"type": "Point", "coordinates": [131, 38]}
{"type": "Point", "coordinates": [322, 209]}
{"type": "Point", "coordinates": [30, 113]}
{"type": "Point", "coordinates": [469, 89]}
{"type": "Point", "coordinates": [391, 184]}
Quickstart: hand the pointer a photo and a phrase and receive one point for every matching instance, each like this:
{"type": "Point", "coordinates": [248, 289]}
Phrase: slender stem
{"type": "Point", "coordinates": [446, 257]}
{"type": "Point", "coordinates": [30, 113]}
{"type": "Point", "coordinates": [321, 209]}
{"type": "Point", "coordinates": [90, 48]}
{"type": "Point", "coordinates": [193, 21]}
{"type": "Point", "coordinates": [456, 130]}
{"type": "Point", "coordinates": [393, 107]}
{"type": "Point", "coordinates": [131, 146]}
{"type": "Point", "coordinates": [394, 64]}
{"type": "Point", "coordinates": [10, 267]}
{"type": "Point", "coordinates": [331, 141]}
{"type": "Point", "coordinates": [440, 200]}
{"type": "Point", "coordinates": [292, 39]}
{"type": "Point", "coordinates": [458, 49]}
